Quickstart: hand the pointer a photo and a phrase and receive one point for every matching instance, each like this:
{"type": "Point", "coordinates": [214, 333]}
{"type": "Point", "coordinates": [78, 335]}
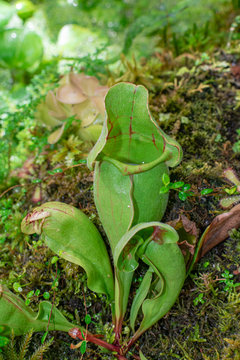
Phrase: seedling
{"type": "Point", "coordinates": [228, 281]}
{"type": "Point", "coordinates": [182, 188]}
{"type": "Point", "coordinates": [199, 300]}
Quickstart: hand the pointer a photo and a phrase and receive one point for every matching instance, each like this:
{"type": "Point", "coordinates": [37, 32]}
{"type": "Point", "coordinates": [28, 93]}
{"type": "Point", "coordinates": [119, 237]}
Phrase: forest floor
{"type": "Point", "coordinates": [195, 101]}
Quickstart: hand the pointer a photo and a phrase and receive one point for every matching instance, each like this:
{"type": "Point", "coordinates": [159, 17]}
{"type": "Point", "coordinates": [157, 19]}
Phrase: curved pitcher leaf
{"type": "Point", "coordinates": [168, 260]}
{"type": "Point", "coordinates": [130, 135]}
{"type": "Point", "coordinates": [68, 232]}
{"type": "Point", "coordinates": [156, 245]}
{"type": "Point", "coordinates": [16, 316]}
{"type": "Point", "coordinates": [146, 233]}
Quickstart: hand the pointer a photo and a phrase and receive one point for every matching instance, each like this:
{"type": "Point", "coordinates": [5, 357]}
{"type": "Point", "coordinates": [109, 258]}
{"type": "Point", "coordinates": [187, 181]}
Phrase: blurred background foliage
{"type": "Point", "coordinates": [41, 40]}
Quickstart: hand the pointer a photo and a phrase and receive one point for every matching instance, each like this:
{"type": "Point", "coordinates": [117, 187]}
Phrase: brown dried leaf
{"type": "Point", "coordinates": [218, 230]}
{"type": "Point", "coordinates": [188, 235]}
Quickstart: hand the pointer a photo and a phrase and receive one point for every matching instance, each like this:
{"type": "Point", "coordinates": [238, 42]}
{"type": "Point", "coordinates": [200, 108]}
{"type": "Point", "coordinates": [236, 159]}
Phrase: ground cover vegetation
{"type": "Point", "coordinates": [51, 113]}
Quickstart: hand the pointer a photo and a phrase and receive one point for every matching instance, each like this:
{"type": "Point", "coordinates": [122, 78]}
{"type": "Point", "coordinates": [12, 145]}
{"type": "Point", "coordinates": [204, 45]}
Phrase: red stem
{"type": "Point", "coordinates": [132, 341]}
{"type": "Point", "coordinates": [118, 331]}
{"type": "Point", "coordinates": [76, 333]}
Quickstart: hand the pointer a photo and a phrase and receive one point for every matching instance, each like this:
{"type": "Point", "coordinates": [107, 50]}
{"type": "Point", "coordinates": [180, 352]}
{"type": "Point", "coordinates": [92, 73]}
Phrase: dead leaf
{"type": "Point", "coordinates": [188, 235]}
{"type": "Point", "coordinates": [218, 231]}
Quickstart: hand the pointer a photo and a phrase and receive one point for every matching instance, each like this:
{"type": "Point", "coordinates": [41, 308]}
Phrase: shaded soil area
{"type": "Point", "coordinates": [197, 105]}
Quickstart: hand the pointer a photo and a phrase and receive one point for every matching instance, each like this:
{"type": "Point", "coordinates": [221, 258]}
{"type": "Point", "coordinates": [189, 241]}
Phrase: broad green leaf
{"type": "Point", "coordinates": [16, 316]}
{"type": "Point", "coordinates": [168, 260]}
{"type": "Point", "coordinates": [25, 9]}
{"type": "Point", "coordinates": [21, 49]}
{"type": "Point", "coordinates": [112, 196]}
{"type": "Point", "coordinates": [69, 233]}
{"type": "Point", "coordinates": [6, 12]}
{"type": "Point", "coordinates": [130, 135]}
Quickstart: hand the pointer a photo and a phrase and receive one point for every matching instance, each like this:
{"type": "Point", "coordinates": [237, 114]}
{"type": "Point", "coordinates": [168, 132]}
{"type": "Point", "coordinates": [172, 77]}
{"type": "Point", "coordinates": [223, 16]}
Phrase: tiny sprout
{"type": "Point", "coordinates": [182, 196]}
{"type": "Point", "coordinates": [55, 171]}
{"type": "Point", "coordinates": [166, 179]}
{"type": "Point", "coordinates": [44, 337]}
{"type": "Point", "coordinates": [229, 282]}
{"type": "Point", "coordinates": [36, 181]}
{"type": "Point", "coordinates": [88, 319]}
{"type": "Point", "coordinates": [176, 185]}
{"type": "Point", "coordinates": [46, 295]}
{"type": "Point", "coordinates": [37, 292]}
{"type": "Point", "coordinates": [30, 294]}
{"type": "Point", "coordinates": [206, 191]}
{"type": "Point", "coordinates": [17, 287]}
{"type": "Point", "coordinates": [199, 300]}
{"type": "Point", "coordinates": [54, 260]}
{"type": "Point", "coordinates": [231, 191]}
{"type": "Point", "coordinates": [83, 347]}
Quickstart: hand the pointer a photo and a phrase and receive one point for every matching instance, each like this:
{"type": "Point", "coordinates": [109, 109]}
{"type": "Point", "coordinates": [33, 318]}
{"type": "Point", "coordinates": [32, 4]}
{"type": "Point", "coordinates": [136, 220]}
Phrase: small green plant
{"type": "Point", "coordinates": [199, 299]}
{"type": "Point", "coordinates": [183, 189]}
{"type": "Point", "coordinates": [227, 279]}
{"type": "Point", "coordinates": [230, 175]}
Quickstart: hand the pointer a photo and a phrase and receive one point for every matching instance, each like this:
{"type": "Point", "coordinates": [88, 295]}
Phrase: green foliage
{"type": "Point", "coordinates": [182, 188]}
{"type": "Point", "coordinates": [17, 316]}
{"type": "Point", "coordinates": [58, 222]}
{"type": "Point", "coordinates": [199, 299]}
{"type": "Point", "coordinates": [6, 12]}
{"type": "Point", "coordinates": [228, 281]}
{"type": "Point", "coordinates": [121, 174]}
{"type": "Point", "coordinates": [20, 352]}
{"type": "Point", "coordinates": [20, 49]}
{"type": "Point", "coordinates": [17, 124]}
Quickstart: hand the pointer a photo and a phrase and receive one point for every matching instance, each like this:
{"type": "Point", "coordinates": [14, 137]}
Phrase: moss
{"type": "Point", "coordinates": [203, 121]}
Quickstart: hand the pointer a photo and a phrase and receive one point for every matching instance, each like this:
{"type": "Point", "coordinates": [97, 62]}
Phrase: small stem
{"type": "Point", "coordinates": [132, 341]}
{"type": "Point", "coordinates": [76, 333]}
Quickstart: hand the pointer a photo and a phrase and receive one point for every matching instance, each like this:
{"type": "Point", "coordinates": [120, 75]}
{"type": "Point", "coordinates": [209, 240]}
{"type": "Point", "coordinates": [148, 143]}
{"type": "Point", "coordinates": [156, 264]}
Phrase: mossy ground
{"type": "Point", "coordinates": [196, 105]}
